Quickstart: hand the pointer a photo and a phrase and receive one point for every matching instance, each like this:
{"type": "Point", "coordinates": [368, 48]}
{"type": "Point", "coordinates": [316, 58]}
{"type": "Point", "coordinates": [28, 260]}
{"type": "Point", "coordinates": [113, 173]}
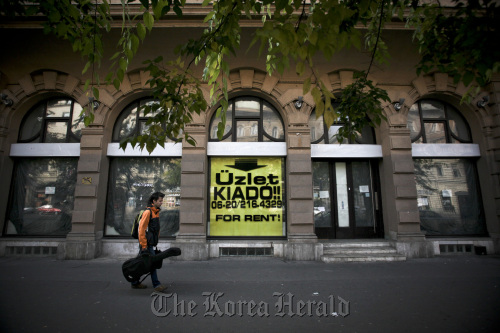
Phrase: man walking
{"type": "Point", "coordinates": [149, 233]}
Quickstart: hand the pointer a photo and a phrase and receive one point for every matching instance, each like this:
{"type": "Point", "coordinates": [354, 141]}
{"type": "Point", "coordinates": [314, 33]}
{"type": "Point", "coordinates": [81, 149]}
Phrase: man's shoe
{"type": "Point", "coordinates": [139, 286]}
{"type": "Point", "coordinates": [161, 288]}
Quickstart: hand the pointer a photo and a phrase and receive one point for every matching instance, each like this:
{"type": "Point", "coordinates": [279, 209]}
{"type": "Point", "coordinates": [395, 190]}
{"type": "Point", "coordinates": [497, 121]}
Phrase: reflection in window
{"type": "Point", "coordinates": [56, 120]}
{"type": "Point", "coordinates": [253, 119]}
{"type": "Point", "coordinates": [254, 129]}
{"type": "Point", "coordinates": [318, 130]}
{"type": "Point", "coordinates": [42, 197]}
{"type": "Point", "coordinates": [321, 195]}
{"type": "Point", "coordinates": [432, 121]}
{"type": "Point", "coordinates": [131, 182]}
{"type": "Point", "coordinates": [131, 122]}
{"type": "Point", "coordinates": [449, 197]}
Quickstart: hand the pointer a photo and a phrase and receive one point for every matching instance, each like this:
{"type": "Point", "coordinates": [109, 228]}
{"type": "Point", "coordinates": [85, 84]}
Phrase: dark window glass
{"type": "Point", "coordinates": [322, 195]}
{"type": "Point", "coordinates": [56, 120]}
{"type": "Point", "coordinates": [449, 199]}
{"type": "Point", "coordinates": [249, 119]}
{"type": "Point", "coordinates": [432, 121]}
{"type": "Point", "coordinates": [131, 182]}
{"type": "Point", "coordinates": [42, 197]}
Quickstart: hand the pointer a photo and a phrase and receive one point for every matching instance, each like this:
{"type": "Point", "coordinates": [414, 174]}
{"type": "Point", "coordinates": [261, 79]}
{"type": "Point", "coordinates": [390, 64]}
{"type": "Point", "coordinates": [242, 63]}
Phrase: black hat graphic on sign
{"type": "Point", "coordinates": [246, 164]}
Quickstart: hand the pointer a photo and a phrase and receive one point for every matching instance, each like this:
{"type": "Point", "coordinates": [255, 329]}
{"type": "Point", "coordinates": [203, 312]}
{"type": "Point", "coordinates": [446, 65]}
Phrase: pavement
{"type": "Point", "coordinates": [442, 294]}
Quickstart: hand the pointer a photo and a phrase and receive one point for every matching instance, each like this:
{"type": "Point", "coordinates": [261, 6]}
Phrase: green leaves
{"type": "Point", "coordinates": [360, 104]}
{"type": "Point", "coordinates": [460, 42]}
{"type": "Point", "coordinates": [292, 36]}
{"type": "Point", "coordinates": [141, 31]}
{"type": "Point", "coordinates": [177, 95]}
{"type": "Point", "coordinates": [148, 20]}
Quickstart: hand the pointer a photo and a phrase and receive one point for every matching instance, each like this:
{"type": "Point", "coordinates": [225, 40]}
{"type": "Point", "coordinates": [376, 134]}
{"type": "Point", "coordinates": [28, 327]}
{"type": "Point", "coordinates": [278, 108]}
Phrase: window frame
{"type": "Point", "coordinates": [140, 121]}
{"type": "Point", "coordinates": [160, 155]}
{"type": "Point", "coordinates": [42, 133]}
{"type": "Point", "coordinates": [449, 136]}
{"type": "Point", "coordinates": [262, 136]}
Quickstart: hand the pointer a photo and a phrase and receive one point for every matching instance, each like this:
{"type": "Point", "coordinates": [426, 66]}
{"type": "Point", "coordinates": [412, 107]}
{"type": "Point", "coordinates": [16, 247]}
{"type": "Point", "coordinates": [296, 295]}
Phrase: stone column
{"type": "Point", "coordinates": [302, 240]}
{"type": "Point", "coordinates": [401, 216]}
{"type": "Point", "coordinates": [493, 155]}
{"type": "Point", "coordinates": [85, 239]}
{"type": "Point", "coordinates": [6, 165]}
{"type": "Point", "coordinates": [192, 225]}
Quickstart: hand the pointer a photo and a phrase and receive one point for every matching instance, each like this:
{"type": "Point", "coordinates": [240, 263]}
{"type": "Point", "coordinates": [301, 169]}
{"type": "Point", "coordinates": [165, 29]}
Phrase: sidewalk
{"type": "Point", "coordinates": [446, 294]}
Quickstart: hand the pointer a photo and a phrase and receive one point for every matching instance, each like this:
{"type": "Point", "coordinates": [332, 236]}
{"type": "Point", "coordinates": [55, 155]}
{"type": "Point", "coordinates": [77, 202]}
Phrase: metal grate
{"type": "Point", "coordinates": [455, 248]}
{"type": "Point", "coordinates": [31, 250]}
{"type": "Point", "coordinates": [245, 251]}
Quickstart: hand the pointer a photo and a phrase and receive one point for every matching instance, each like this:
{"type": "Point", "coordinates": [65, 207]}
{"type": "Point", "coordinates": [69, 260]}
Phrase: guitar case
{"type": "Point", "coordinates": [136, 267]}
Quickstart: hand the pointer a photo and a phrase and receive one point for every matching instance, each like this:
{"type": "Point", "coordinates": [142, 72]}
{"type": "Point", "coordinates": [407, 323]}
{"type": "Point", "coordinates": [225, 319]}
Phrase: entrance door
{"type": "Point", "coordinates": [346, 200]}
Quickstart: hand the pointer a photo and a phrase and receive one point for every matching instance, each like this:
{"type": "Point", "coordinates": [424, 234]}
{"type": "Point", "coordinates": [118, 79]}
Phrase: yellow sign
{"type": "Point", "coordinates": [87, 180]}
{"type": "Point", "coordinates": [246, 196]}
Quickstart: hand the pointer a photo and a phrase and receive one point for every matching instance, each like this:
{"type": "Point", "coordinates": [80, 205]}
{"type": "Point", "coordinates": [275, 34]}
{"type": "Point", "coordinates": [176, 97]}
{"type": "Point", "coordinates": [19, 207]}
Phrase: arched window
{"type": "Point", "coordinates": [254, 119]}
{"type": "Point", "coordinates": [432, 121]}
{"type": "Point", "coordinates": [132, 121]}
{"type": "Point", "coordinates": [318, 129]}
{"type": "Point", "coordinates": [133, 177]}
{"type": "Point", "coordinates": [57, 120]}
{"type": "Point", "coordinates": [45, 169]}
{"type": "Point", "coordinates": [448, 193]}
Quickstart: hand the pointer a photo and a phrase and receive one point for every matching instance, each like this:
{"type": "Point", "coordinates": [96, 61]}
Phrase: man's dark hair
{"type": "Point", "coordinates": [155, 196]}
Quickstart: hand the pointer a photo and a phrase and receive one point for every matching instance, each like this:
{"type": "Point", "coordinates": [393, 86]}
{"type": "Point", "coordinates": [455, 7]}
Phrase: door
{"type": "Point", "coordinates": [346, 200]}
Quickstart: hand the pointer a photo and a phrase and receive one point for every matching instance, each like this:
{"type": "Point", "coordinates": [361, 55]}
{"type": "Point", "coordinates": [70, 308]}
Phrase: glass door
{"type": "Point", "coordinates": [346, 200]}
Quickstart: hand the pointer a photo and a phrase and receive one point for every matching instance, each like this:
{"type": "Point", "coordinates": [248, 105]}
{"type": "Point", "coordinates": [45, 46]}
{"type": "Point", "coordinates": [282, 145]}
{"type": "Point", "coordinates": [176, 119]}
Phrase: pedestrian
{"type": "Point", "coordinates": [149, 233]}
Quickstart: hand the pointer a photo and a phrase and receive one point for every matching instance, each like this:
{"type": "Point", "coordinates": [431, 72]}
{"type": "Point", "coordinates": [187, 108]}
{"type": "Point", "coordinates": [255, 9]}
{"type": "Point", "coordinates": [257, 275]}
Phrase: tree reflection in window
{"type": "Point", "coordinates": [133, 120]}
{"type": "Point", "coordinates": [131, 182]}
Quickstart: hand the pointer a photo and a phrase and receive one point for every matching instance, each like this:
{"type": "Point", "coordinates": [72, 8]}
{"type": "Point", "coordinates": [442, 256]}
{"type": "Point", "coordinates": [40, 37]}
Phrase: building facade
{"type": "Point", "coordinates": [426, 181]}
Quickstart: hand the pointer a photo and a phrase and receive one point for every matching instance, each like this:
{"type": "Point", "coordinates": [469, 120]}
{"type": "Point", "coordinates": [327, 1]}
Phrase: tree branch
{"type": "Point", "coordinates": [378, 37]}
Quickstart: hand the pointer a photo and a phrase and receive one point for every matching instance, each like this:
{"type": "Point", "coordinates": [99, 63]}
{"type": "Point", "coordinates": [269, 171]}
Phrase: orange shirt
{"type": "Point", "coordinates": [143, 225]}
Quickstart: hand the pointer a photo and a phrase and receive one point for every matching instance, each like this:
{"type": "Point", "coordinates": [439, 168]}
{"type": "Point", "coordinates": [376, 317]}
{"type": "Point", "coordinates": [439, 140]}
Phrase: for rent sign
{"type": "Point", "coordinates": [246, 196]}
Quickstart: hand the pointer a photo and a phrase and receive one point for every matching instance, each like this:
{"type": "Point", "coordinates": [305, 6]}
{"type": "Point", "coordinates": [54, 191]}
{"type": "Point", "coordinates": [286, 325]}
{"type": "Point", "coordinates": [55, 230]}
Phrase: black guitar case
{"type": "Point", "coordinates": [136, 267]}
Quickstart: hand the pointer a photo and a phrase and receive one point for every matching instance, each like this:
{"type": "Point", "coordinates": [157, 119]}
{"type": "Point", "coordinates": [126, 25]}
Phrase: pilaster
{"type": "Point", "coordinates": [301, 236]}
{"type": "Point", "coordinates": [402, 220]}
{"type": "Point", "coordinates": [192, 224]}
{"type": "Point", "coordinates": [494, 157]}
{"type": "Point", "coordinates": [84, 241]}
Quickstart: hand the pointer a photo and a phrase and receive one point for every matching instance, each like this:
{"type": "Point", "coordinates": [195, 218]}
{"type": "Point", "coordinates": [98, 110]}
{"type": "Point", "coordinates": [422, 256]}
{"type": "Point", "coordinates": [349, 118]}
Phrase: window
{"type": "Point", "coordinates": [44, 179]}
{"type": "Point", "coordinates": [432, 121]}
{"type": "Point", "coordinates": [131, 181]}
{"type": "Point", "coordinates": [246, 197]}
{"type": "Point", "coordinates": [132, 121]}
{"type": "Point", "coordinates": [254, 119]}
{"type": "Point", "coordinates": [42, 197]}
{"type": "Point", "coordinates": [439, 170]}
{"type": "Point", "coordinates": [318, 130]}
{"type": "Point", "coordinates": [447, 182]}
{"type": "Point", "coordinates": [56, 120]}
{"type": "Point", "coordinates": [449, 204]}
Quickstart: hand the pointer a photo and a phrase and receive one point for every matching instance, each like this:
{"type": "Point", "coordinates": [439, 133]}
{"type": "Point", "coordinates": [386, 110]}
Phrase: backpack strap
{"type": "Point", "coordinates": [150, 212]}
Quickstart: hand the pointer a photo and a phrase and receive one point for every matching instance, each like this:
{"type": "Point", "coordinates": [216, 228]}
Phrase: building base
{"type": "Point", "coordinates": [199, 248]}
{"type": "Point", "coordinates": [81, 247]}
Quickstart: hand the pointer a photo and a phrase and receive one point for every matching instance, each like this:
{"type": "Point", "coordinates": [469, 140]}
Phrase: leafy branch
{"type": "Point", "coordinates": [460, 41]}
